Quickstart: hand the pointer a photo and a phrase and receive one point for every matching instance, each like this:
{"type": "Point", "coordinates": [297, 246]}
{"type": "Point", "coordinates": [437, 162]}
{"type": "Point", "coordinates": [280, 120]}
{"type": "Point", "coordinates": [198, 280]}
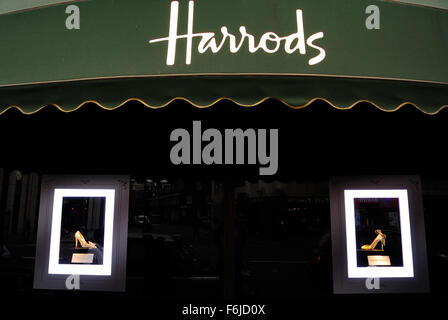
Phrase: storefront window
{"type": "Point", "coordinates": [173, 239]}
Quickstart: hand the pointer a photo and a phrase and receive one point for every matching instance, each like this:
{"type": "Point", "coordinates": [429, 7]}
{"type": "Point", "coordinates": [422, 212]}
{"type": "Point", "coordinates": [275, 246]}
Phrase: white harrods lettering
{"type": "Point", "coordinates": [269, 42]}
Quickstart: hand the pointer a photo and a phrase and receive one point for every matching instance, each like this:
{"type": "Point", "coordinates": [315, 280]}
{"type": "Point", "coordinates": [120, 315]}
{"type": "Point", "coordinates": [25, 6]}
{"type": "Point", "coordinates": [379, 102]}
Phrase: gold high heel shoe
{"type": "Point", "coordinates": [381, 237]}
{"type": "Point", "coordinates": [80, 238]}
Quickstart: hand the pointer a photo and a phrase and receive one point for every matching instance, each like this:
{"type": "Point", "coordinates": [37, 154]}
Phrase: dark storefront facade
{"type": "Point", "coordinates": [219, 230]}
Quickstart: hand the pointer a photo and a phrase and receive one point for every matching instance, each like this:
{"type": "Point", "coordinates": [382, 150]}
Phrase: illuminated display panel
{"type": "Point", "coordinates": [104, 269]}
{"type": "Point", "coordinates": [354, 269]}
{"type": "Point", "coordinates": [378, 234]}
{"type": "Point", "coordinates": [82, 233]}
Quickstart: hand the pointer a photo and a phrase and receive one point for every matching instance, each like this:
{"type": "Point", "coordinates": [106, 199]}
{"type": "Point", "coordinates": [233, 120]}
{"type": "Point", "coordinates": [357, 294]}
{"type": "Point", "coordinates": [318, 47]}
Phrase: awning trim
{"type": "Point", "coordinates": [202, 92]}
{"type": "Point", "coordinates": [398, 107]}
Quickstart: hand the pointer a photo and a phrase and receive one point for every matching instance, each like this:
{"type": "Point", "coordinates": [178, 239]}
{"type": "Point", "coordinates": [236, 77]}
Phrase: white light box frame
{"type": "Point", "coordinates": [110, 275]}
{"type": "Point", "coordinates": [104, 269]}
{"type": "Point", "coordinates": [348, 276]}
{"type": "Point", "coordinates": [407, 270]}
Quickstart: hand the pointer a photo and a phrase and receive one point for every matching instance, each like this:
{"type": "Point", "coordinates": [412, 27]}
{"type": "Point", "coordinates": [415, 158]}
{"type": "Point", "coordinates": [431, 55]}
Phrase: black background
{"type": "Point", "coordinates": [314, 142]}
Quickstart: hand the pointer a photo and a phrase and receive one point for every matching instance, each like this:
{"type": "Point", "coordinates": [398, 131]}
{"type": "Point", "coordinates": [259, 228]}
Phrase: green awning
{"type": "Point", "coordinates": [389, 53]}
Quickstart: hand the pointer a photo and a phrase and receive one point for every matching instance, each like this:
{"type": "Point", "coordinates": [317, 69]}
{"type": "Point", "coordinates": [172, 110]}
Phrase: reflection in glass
{"type": "Point", "coordinates": [82, 230]}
